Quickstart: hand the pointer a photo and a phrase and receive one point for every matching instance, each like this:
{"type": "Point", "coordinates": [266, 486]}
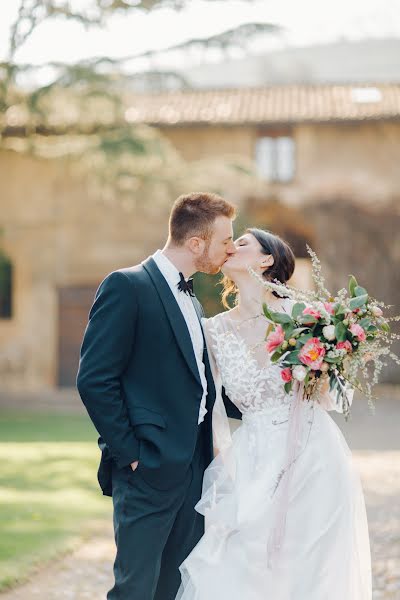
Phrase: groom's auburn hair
{"type": "Point", "coordinates": [194, 215]}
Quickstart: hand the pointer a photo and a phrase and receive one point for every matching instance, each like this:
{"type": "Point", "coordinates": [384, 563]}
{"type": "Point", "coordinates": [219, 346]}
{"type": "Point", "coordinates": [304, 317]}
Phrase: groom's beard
{"type": "Point", "coordinates": [204, 264]}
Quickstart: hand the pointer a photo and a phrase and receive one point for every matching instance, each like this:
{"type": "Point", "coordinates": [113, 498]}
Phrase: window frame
{"type": "Point", "coordinates": [276, 133]}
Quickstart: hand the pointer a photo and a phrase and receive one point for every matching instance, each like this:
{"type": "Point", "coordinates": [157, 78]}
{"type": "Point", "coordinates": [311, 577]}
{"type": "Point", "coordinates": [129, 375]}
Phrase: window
{"type": "Point", "coordinates": [275, 158]}
{"type": "Point", "coordinates": [6, 273]}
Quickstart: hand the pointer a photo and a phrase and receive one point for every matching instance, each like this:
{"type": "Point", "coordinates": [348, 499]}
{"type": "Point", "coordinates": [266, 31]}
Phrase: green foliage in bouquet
{"type": "Point", "coordinates": [341, 339]}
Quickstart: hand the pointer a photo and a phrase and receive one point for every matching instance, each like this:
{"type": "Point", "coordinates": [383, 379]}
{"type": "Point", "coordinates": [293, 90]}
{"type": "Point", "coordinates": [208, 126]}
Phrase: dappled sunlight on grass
{"type": "Point", "coordinates": [49, 495]}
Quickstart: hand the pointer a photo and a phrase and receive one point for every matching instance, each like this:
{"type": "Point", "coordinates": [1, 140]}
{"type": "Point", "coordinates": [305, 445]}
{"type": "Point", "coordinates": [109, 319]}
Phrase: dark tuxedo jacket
{"type": "Point", "coordinates": [139, 380]}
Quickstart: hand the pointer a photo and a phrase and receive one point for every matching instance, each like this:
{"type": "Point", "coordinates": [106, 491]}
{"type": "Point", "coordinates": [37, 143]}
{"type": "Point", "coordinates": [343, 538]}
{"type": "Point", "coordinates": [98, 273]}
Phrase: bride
{"type": "Point", "coordinates": [283, 505]}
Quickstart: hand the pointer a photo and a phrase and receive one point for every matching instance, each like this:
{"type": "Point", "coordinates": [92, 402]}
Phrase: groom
{"type": "Point", "coordinates": [145, 379]}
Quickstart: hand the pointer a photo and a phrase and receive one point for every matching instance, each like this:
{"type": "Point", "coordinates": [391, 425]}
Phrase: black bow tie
{"type": "Point", "coordinates": [185, 286]}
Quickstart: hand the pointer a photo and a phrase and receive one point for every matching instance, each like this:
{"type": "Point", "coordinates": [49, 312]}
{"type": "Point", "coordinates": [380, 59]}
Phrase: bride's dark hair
{"type": "Point", "coordinates": [281, 270]}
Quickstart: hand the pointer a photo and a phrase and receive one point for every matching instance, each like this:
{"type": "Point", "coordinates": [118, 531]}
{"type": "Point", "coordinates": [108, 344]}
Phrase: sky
{"type": "Point", "coordinates": [306, 22]}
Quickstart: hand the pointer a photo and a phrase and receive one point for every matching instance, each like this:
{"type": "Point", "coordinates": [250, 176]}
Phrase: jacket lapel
{"type": "Point", "coordinates": [210, 381]}
{"type": "Point", "coordinates": [174, 315]}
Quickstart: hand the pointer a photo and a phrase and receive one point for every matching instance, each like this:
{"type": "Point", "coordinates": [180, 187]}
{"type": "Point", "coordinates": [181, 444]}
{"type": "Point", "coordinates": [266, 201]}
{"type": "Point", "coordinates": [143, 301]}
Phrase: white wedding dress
{"type": "Point", "coordinates": [284, 509]}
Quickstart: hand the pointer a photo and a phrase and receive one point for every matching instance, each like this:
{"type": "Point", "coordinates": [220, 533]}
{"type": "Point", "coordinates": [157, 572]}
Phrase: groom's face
{"type": "Point", "coordinates": [218, 248]}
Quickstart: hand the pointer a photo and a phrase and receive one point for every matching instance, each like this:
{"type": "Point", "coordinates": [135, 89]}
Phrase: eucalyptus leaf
{"type": "Point", "coordinates": [365, 322]}
{"type": "Point", "coordinates": [298, 309]}
{"type": "Point", "coordinates": [360, 291]}
{"type": "Point", "coordinates": [307, 320]}
{"type": "Point", "coordinates": [358, 301]}
{"type": "Point", "coordinates": [280, 318]}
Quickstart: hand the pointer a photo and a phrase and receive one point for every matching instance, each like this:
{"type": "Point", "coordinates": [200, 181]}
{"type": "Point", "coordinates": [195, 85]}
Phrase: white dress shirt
{"type": "Point", "coordinates": [184, 301]}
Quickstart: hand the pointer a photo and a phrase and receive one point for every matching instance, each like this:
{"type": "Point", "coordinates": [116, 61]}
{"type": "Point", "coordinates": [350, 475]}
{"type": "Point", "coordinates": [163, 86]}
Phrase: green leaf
{"type": "Point", "coordinates": [358, 301]}
{"type": "Point", "coordinates": [298, 309]}
{"type": "Point", "coordinates": [267, 312]}
{"type": "Point", "coordinates": [330, 360]}
{"type": "Point", "coordinates": [293, 358]}
{"type": "Point", "coordinates": [360, 291]}
{"type": "Point", "coordinates": [298, 330]}
{"type": "Point", "coordinates": [385, 327]}
{"type": "Point", "coordinates": [304, 338]}
{"type": "Point", "coordinates": [352, 285]}
{"type": "Point", "coordinates": [281, 318]}
{"type": "Point", "coordinates": [340, 332]}
{"type": "Point", "coordinates": [340, 310]}
{"type": "Point", "coordinates": [307, 320]}
{"type": "Point", "coordinates": [276, 356]}
{"type": "Point", "coordinates": [270, 329]}
{"type": "Point", "coordinates": [365, 322]}
{"type": "Point", "coordinates": [288, 329]}
{"type": "Point", "coordinates": [288, 386]}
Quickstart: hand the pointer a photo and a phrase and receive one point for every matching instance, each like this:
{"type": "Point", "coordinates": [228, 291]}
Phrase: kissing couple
{"type": "Point", "coordinates": [274, 512]}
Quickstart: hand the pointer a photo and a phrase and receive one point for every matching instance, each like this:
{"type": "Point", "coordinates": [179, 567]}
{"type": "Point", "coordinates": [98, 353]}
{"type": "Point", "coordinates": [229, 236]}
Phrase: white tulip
{"type": "Point", "coordinates": [299, 373]}
{"type": "Point", "coordinates": [329, 332]}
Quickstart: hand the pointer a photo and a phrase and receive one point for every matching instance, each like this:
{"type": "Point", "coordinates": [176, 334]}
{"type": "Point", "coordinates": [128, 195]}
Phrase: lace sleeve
{"type": "Point", "coordinates": [220, 424]}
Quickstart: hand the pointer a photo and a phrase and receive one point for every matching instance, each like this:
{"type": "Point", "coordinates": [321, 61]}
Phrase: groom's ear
{"type": "Point", "coordinates": [196, 245]}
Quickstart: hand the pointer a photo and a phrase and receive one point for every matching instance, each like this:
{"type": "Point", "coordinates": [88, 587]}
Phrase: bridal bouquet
{"type": "Point", "coordinates": [338, 340]}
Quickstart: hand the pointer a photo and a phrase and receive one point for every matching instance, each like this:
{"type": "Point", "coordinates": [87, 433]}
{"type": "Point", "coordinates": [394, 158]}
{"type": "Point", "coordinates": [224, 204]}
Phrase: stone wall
{"type": "Point", "coordinates": [56, 235]}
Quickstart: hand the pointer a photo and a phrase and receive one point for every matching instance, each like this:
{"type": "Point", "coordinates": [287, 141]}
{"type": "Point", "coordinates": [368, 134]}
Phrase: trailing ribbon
{"type": "Point", "coordinates": [282, 490]}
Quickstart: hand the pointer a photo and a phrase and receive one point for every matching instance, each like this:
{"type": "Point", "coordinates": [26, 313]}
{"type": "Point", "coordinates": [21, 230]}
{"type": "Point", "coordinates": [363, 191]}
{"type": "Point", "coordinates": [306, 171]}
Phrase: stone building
{"type": "Point", "coordinates": [327, 159]}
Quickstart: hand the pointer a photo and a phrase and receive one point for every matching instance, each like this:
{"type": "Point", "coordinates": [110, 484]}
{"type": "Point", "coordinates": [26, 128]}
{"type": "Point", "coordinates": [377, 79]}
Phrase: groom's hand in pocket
{"type": "Point", "coordinates": [134, 465]}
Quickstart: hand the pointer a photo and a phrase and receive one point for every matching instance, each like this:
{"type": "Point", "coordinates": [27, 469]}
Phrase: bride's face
{"type": "Point", "coordinates": [248, 254]}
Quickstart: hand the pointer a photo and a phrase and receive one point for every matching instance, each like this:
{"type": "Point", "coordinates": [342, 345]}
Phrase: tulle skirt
{"type": "Point", "coordinates": [324, 553]}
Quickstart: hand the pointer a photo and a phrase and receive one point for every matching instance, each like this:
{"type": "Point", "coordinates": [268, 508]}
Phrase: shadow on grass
{"type": "Point", "coordinates": [49, 494]}
{"type": "Point", "coordinates": [45, 427]}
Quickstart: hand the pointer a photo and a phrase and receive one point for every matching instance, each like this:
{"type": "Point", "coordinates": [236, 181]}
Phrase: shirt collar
{"type": "Point", "coordinates": [167, 268]}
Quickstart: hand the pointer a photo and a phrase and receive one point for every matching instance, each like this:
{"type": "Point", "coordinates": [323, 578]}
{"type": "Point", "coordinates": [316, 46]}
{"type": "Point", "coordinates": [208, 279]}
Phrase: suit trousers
{"type": "Point", "coordinates": [155, 530]}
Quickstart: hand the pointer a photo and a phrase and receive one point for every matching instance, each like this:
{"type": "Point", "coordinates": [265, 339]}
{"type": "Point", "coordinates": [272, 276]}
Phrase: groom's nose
{"type": "Point", "coordinates": [231, 249]}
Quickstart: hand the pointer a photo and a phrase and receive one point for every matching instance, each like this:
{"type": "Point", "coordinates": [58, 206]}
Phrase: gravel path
{"type": "Point", "coordinates": [86, 574]}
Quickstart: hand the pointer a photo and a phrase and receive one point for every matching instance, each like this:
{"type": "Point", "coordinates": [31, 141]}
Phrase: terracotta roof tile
{"type": "Point", "coordinates": [268, 105]}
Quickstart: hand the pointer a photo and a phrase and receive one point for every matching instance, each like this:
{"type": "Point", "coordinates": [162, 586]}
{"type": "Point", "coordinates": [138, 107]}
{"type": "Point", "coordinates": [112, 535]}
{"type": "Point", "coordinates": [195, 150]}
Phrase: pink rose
{"type": "Point", "coordinates": [345, 346]}
{"type": "Point", "coordinates": [286, 374]}
{"type": "Point", "coordinates": [312, 354]}
{"type": "Point", "coordinates": [275, 338]}
{"type": "Point", "coordinates": [358, 332]}
{"type": "Point", "coordinates": [329, 308]}
{"type": "Point", "coordinates": [313, 312]}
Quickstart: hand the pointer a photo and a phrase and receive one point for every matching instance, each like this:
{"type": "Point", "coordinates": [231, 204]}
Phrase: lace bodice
{"type": "Point", "coordinates": [251, 381]}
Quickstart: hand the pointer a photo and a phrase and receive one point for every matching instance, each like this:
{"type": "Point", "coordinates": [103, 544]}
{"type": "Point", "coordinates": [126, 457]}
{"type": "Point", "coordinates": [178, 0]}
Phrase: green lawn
{"type": "Point", "coordinates": [49, 497]}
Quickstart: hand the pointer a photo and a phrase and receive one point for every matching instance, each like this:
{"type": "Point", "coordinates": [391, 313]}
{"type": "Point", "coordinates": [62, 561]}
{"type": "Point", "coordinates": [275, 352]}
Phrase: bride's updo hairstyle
{"type": "Point", "coordinates": [281, 270]}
